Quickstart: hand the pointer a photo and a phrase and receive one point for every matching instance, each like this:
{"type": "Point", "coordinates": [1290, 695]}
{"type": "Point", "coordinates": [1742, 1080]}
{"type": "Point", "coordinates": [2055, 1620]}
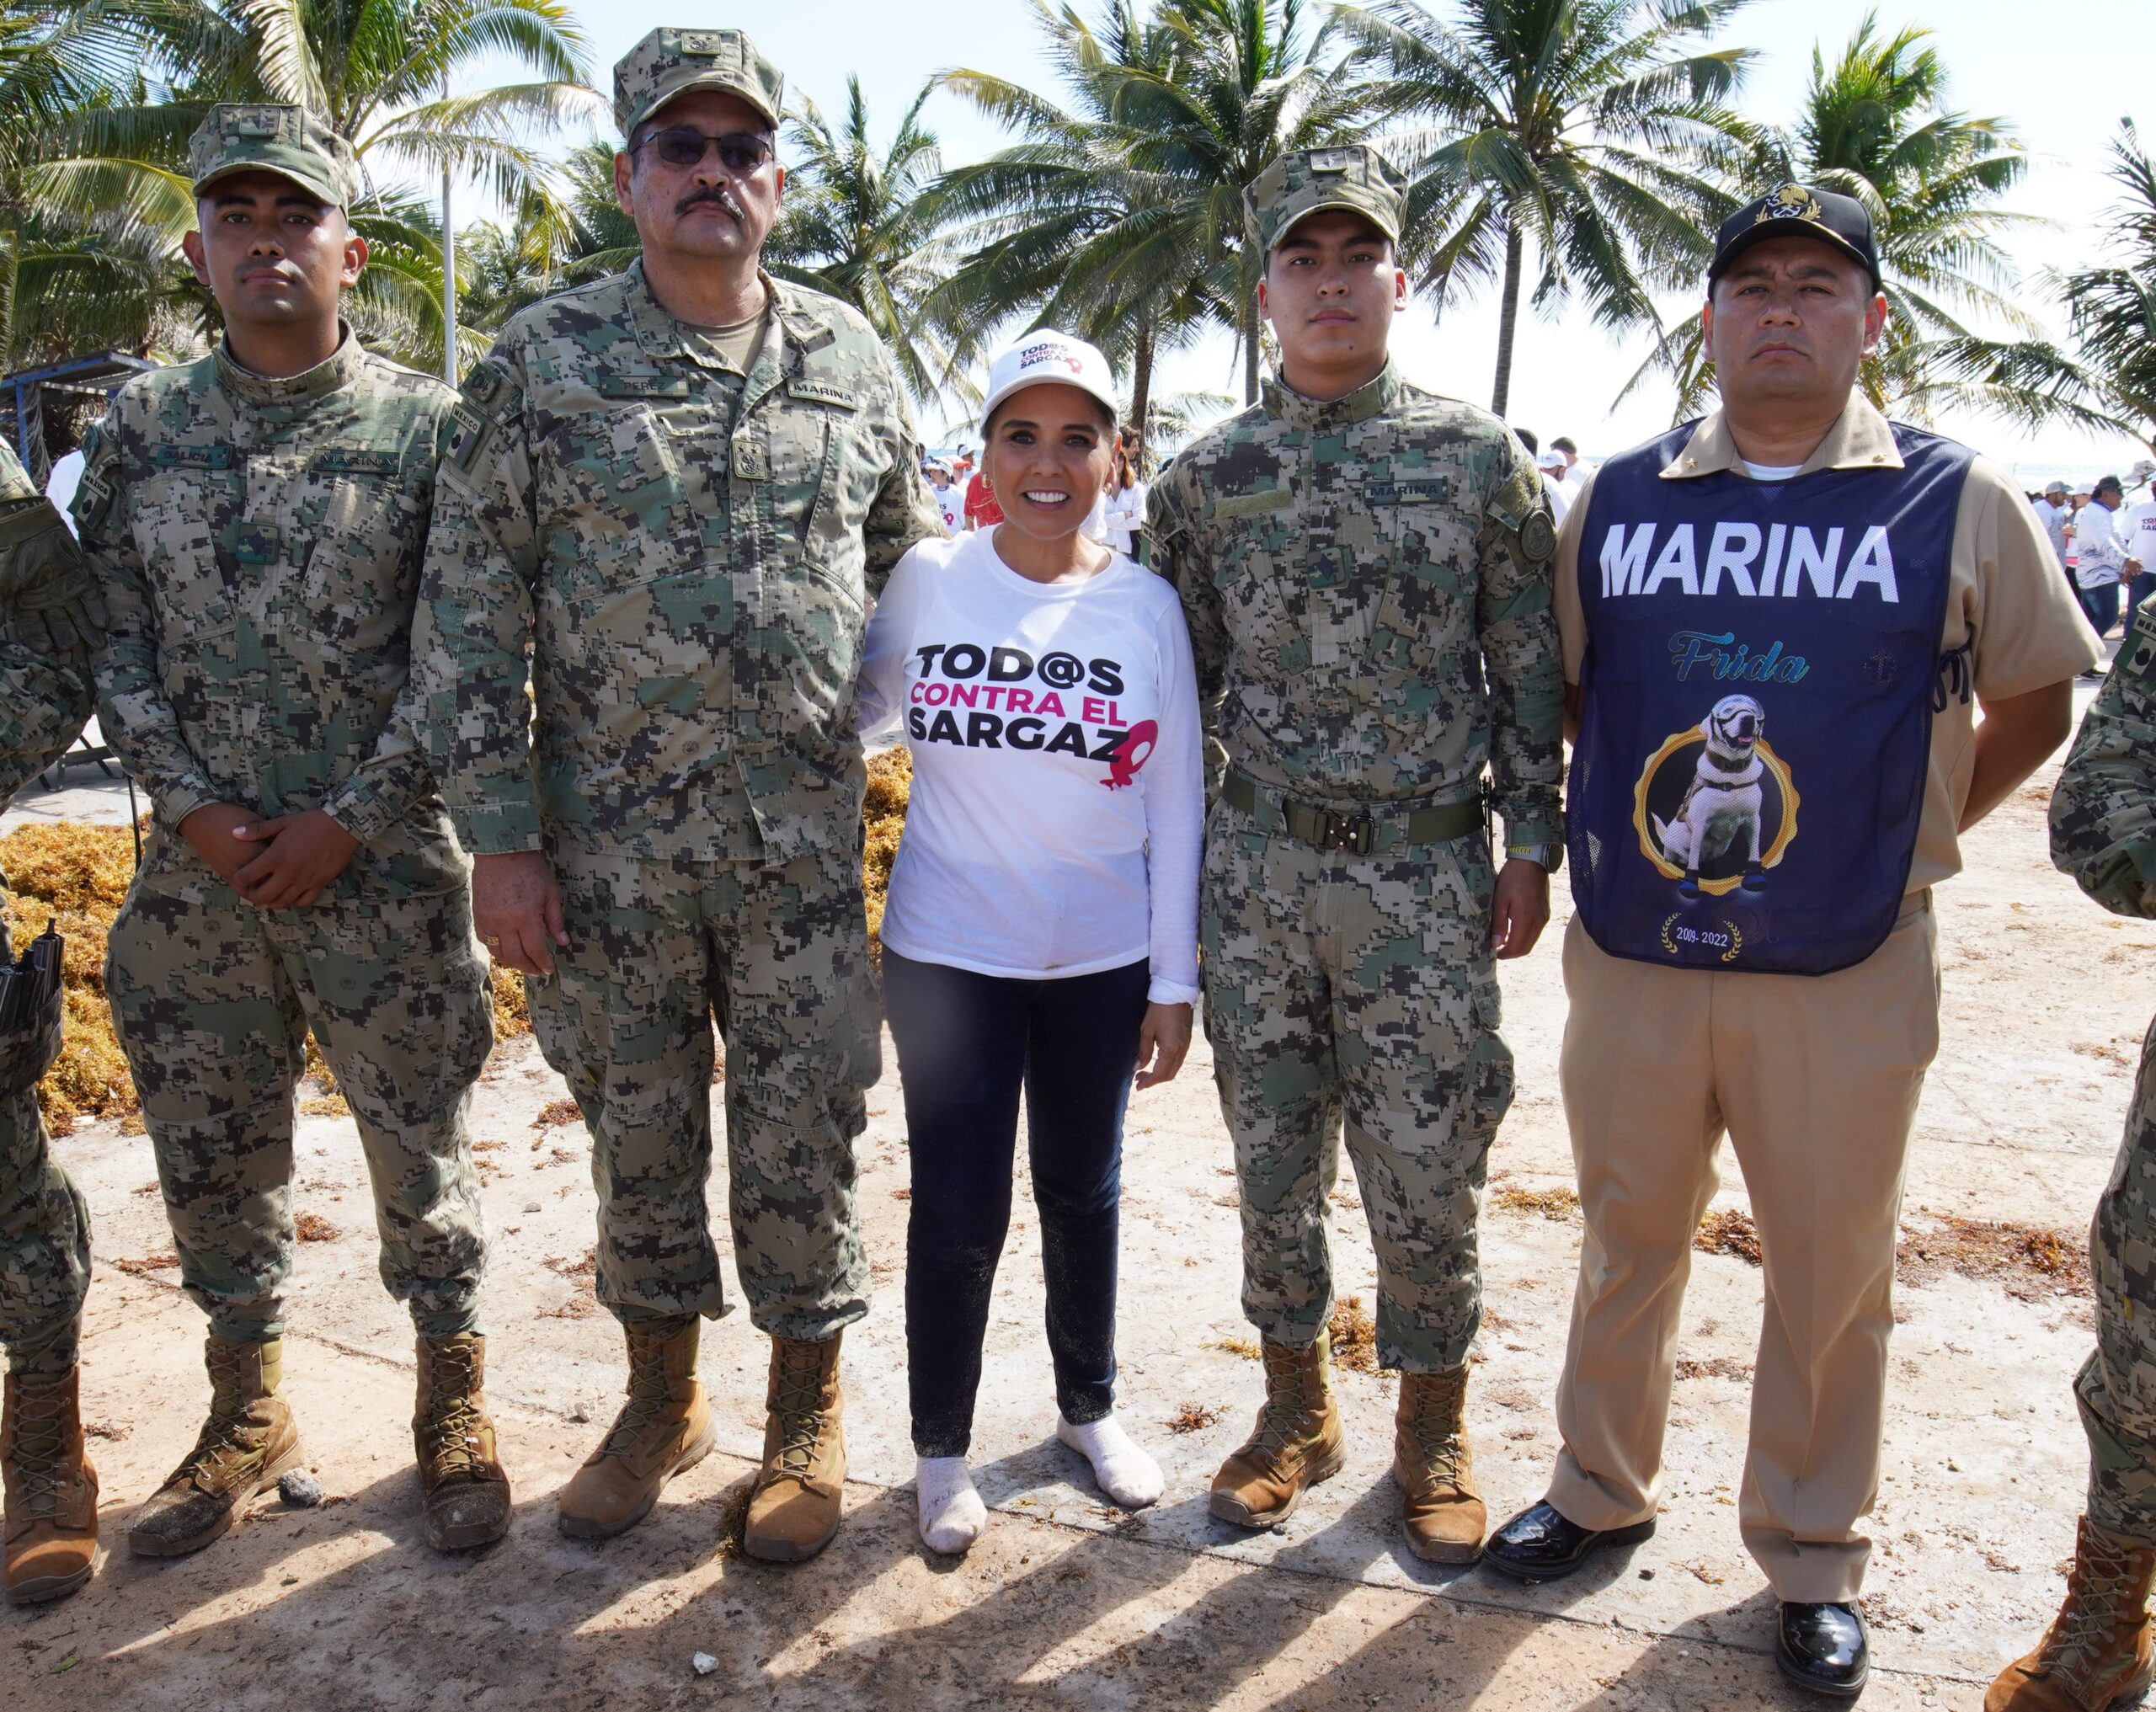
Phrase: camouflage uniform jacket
{"type": "Point", "coordinates": [1368, 586]}
{"type": "Point", "coordinates": [2104, 810]}
{"type": "Point", "coordinates": [44, 697]}
{"type": "Point", "coordinates": [691, 551]}
{"type": "Point", "coordinates": [259, 543]}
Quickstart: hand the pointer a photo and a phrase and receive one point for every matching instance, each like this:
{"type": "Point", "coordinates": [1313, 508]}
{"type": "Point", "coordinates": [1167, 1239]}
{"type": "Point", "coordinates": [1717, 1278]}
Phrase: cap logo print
{"type": "Point", "coordinates": [1034, 355]}
{"type": "Point", "coordinates": [1332, 160]}
{"type": "Point", "coordinates": [1791, 202]}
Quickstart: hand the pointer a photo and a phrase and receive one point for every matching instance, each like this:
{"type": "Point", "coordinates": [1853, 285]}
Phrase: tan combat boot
{"type": "Point", "coordinates": [663, 1430]}
{"type": "Point", "coordinates": [1295, 1444]}
{"type": "Point", "coordinates": [461, 1481]}
{"type": "Point", "coordinates": [793, 1508]}
{"type": "Point", "coordinates": [2096, 1652]}
{"type": "Point", "coordinates": [1434, 1470]}
{"type": "Point", "coordinates": [49, 1488]}
{"type": "Point", "coordinates": [248, 1441]}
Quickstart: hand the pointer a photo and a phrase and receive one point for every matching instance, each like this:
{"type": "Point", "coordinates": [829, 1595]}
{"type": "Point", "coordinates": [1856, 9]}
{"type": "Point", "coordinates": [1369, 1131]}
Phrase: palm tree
{"type": "Point", "coordinates": [377, 70]}
{"type": "Point", "coordinates": [1579, 127]}
{"type": "Point", "coordinates": [2114, 308]}
{"type": "Point", "coordinates": [68, 285]}
{"type": "Point", "coordinates": [506, 267]}
{"type": "Point", "coordinates": [1875, 124]}
{"type": "Point", "coordinates": [1119, 215]}
{"type": "Point", "coordinates": [857, 224]}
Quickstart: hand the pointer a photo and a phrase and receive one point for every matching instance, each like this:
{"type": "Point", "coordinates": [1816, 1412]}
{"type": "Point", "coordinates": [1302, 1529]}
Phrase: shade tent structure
{"type": "Point", "coordinates": [99, 375]}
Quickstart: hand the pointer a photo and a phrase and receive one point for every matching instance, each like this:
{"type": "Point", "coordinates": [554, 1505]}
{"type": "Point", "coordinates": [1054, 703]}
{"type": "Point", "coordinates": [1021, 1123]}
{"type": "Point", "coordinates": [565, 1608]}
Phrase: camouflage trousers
{"type": "Point", "coordinates": [780, 957]}
{"type": "Point", "coordinates": [1356, 992]}
{"type": "Point", "coordinates": [2116, 1388]}
{"type": "Point", "coordinates": [212, 1000]}
{"type": "Point", "coordinates": [45, 1238]}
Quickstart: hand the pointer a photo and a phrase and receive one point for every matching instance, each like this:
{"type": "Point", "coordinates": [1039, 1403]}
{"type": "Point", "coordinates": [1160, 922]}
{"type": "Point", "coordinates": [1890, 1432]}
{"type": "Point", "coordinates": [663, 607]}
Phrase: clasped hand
{"type": "Point", "coordinates": [283, 863]}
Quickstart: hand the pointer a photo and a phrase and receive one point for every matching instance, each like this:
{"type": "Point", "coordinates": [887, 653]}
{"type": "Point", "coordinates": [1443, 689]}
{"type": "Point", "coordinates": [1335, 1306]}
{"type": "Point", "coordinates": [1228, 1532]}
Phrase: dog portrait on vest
{"type": "Point", "coordinates": [1723, 806]}
{"type": "Point", "coordinates": [1714, 807]}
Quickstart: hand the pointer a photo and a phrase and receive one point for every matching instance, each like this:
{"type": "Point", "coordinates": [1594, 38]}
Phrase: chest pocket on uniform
{"type": "Point", "coordinates": [1262, 582]}
{"type": "Point", "coordinates": [363, 568]}
{"type": "Point", "coordinates": [181, 516]}
{"type": "Point", "coordinates": [613, 476]}
{"type": "Point", "coordinates": [1428, 605]}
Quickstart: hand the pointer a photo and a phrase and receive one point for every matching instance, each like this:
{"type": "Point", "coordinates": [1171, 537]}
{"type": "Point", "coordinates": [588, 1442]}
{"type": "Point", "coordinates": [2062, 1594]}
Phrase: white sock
{"type": "Point", "coordinates": [952, 1513]}
{"type": "Point", "coordinates": [1131, 1479]}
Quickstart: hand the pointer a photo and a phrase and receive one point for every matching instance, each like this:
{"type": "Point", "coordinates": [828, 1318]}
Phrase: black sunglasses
{"type": "Point", "coordinates": [740, 152]}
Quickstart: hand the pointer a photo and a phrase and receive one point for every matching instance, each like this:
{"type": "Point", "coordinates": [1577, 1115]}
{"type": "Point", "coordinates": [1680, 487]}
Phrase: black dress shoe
{"type": "Point", "coordinates": [1539, 1544]}
{"type": "Point", "coordinates": [1823, 1648]}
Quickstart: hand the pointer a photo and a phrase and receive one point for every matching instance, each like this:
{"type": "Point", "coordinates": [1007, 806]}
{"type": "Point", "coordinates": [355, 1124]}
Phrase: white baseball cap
{"type": "Point", "coordinates": [1049, 355]}
{"type": "Point", "coordinates": [1551, 460]}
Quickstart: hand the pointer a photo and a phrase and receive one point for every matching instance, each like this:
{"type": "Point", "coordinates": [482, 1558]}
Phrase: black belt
{"type": "Point", "coordinates": [1357, 831]}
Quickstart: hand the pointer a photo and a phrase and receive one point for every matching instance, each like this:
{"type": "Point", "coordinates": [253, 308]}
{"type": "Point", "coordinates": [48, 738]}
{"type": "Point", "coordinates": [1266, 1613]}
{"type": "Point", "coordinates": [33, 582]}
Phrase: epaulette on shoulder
{"type": "Point", "coordinates": [408, 379]}
{"type": "Point", "coordinates": [536, 315]}
{"type": "Point", "coordinates": [1212, 441]}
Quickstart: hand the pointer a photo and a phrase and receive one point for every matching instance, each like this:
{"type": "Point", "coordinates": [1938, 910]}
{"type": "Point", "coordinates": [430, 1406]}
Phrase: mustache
{"type": "Point", "coordinates": [718, 196]}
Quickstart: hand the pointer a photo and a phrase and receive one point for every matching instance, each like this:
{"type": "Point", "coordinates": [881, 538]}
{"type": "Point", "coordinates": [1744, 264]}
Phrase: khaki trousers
{"type": "Point", "coordinates": [1815, 1080]}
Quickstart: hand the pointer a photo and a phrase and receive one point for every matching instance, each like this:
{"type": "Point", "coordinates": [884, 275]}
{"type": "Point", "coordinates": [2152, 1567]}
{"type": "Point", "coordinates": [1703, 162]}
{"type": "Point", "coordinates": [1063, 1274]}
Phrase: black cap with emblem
{"type": "Point", "coordinates": [1798, 211]}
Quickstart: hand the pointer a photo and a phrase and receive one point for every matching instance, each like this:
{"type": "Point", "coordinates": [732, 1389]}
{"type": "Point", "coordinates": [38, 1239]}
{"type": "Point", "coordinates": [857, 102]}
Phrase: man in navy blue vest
{"type": "Point", "coordinates": [1776, 623]}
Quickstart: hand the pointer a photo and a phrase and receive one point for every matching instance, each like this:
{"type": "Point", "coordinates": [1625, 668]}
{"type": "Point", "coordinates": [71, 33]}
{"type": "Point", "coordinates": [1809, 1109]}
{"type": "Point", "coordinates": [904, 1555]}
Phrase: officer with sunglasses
{"type": "Point", "coordinates": [680, 485]}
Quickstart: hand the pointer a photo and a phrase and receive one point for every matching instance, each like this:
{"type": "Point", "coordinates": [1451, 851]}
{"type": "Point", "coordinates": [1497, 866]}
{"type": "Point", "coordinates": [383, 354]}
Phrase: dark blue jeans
{"type": "Point", "coordinates": [969, 1045]}
{"type": "Point", "coordinates": [2101, 604]}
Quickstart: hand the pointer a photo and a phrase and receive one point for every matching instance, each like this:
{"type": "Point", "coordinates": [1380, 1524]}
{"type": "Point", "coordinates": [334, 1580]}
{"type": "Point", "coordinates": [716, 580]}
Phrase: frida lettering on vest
{"type": "Point", "coordinates": [1762, 668]}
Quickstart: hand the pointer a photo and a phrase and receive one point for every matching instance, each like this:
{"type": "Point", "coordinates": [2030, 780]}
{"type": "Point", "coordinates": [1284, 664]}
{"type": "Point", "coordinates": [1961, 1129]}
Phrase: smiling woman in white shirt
{"type": "Point", "coordinates": [1040, 934]}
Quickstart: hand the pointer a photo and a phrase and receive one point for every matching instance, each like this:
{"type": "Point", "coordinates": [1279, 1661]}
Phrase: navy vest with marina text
{"type": "Point", "coordinates": [1761, 667]}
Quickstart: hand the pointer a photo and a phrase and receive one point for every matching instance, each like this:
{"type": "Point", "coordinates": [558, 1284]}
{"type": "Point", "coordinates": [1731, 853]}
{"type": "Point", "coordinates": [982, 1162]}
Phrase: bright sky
{"type": "Point", "coordinates": [1566, 373]}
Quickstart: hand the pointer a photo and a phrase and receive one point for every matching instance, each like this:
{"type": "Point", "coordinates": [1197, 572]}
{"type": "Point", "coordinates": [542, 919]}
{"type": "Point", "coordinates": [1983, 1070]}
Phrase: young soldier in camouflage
{"type": "Point", "coordinates": [257, 519]}
{"type": "Point", "coordinates": [1357, 558]}
{"type": "Point", "coordinates": [48, 622]}
{"type": "Point", "coordinates": [679, 485]}
{"type": "Point", "coordinates": [2097, 1651]}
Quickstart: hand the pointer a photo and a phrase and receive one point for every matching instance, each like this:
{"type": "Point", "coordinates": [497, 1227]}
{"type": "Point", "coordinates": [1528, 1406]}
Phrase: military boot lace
{"type": "Point", "coordinates": [1291, 1397]}
{"type": "Point", "coordinates": [453, 1417]}
{"type": "Point", "coordinates": [1434, 1423]}
{"type": "Point", "coordinates": [225, 1441]}
{"type": "Point", "coordinates": [650, 1391]}
{"type": "Point", "coordinates": [39, 1431]}
{"type": "Point", "coordinates": [799, 1403]}
{"type": "Point", "coordinates": [2102, 1596]}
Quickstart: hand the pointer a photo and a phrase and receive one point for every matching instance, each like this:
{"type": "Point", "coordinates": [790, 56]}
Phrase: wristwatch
{"type": "Point", "coordinates": [1545, 856]}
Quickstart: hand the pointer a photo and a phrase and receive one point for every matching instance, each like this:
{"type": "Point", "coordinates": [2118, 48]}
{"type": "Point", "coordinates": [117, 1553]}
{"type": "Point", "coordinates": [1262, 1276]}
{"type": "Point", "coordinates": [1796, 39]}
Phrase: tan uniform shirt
{"type": "Point", "coordinates": [2005, 599]}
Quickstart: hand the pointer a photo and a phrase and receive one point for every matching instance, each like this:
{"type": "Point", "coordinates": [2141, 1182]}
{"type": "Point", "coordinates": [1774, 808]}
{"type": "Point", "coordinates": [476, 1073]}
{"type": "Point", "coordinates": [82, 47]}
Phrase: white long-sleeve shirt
{"type": "Point", "coordinates": [2096, 541]}
{"type": "Point", "coordinates": [1058, 808]}
{"type": "Point", "coordinates": [1126, 516]}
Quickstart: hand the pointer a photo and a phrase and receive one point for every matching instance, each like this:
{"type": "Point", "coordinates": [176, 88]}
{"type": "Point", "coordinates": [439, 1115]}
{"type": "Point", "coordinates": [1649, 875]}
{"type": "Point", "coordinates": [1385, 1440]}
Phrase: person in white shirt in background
{"type": "Point", "coordinates": [1126, 500]}
{"type": "Point", "coordinates": [2053, 512]}
{"type": "Point", "coordinates": [1575, 472]}
{"type": "Point", "coordinates": [1041, 935]}
{"type": "Point", "coordinates": [2100, 555]}
{"type": "Point", "coordinates": [950, 497]}
{"type": "Point", "coordinates": [1551, 463]}
{"type": "Point", "coordinates": [2136, 531]}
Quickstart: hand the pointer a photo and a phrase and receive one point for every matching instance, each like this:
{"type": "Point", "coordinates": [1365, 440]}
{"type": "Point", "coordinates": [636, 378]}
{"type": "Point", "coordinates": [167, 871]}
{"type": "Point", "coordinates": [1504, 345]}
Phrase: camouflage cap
{"type": "Point", "coordinates": [261, 136]}
{"type": "Point", "coordinates": [670, 62]}
{"type": "Point", "coordinates": [1312, 179]}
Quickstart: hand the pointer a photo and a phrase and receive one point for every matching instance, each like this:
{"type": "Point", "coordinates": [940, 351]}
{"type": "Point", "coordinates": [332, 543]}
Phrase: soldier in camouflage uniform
{"type": "Point", "coordinates": [1365, 568]}
{"type": "Point", "coordinates": [50, 617]}
{"type": "Point", "coordinates": [680, 486]}
{"type": "Point", "coordinates": [257, 519]}
{"type": "Point", "coordinates": [2098, 1650]}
